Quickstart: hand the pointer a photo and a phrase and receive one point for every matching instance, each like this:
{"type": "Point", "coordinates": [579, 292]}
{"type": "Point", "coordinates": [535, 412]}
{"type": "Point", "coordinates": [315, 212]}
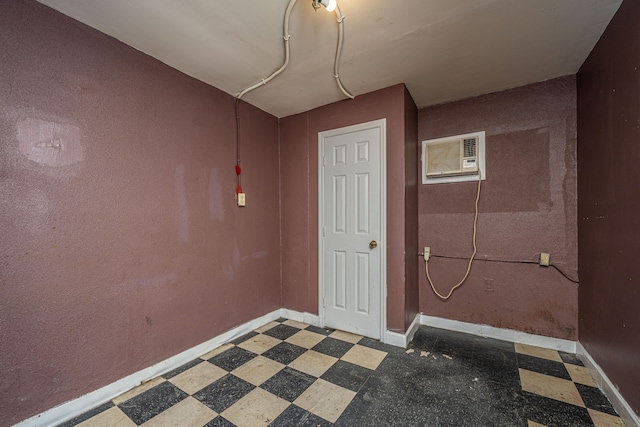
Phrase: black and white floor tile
{"type": "Point", "coordinates": [288, 373]}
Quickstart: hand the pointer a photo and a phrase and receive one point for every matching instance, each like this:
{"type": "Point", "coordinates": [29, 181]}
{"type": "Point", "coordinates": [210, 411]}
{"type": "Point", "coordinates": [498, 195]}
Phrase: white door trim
{"type": "Point", "coordinates": [380, 124]}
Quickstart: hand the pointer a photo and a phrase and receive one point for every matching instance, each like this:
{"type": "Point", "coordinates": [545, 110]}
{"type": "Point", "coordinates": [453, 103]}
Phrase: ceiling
{"type": "Point", "coordinates": [443, 50]}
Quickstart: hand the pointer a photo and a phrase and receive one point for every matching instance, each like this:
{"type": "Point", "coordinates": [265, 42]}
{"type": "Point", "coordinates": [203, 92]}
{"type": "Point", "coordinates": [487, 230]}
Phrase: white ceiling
{"type": "Point", "coordinates": [443, 50]}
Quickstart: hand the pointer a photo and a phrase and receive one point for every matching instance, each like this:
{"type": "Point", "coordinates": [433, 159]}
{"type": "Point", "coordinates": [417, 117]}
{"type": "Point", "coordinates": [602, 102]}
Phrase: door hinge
{"type": "Point", "coordinates": [324, 232]}
{"type": "Point", "coordinates": [324, 161]}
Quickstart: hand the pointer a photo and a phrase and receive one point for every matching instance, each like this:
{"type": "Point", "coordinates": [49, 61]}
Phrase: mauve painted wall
{"type": "Point", "coordinates": [299, 187]}
{"type": "Point", "coordinates": [411, 158]}
{"type": "Point", "coordinates": [121, 244]}
{"type": "Point", "coordinates": [527, 206]}
{"type": "Point", "coordinates": [608, 202]}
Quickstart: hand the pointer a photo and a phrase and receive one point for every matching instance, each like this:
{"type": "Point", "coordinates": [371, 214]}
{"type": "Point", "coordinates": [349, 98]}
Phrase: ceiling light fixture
{"type": "Point", "coordinates": [330, 5]}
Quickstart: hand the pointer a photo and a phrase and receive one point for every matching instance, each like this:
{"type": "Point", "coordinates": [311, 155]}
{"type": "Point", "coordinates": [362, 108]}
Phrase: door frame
{"type": "Point", "coordinates": [381, 125]}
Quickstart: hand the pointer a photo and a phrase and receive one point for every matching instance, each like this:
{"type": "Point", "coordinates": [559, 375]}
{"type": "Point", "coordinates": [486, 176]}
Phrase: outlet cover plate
{"type": "Point", "coordinates": [544, 259]}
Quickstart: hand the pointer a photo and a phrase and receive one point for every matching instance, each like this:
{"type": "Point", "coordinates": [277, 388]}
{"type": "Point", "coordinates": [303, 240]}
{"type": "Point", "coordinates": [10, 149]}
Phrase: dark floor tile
{"type": "Point", "coordinates": [543, 366]}
{"type": "Point", "coordinates": [244, 338]}
{"type": "Point", "coordinates": [503, 373]}
{"type": "Point", "coordinates": [281, 319]}
{"type": "Point", "coordinates": [570, 358]}
{"type": "Point", "coordinates": [489, 350]}
{"type": "Point", "coordinates": [593, 398]}
{"type": "Point", "coordinates": [288, 384]}
{"type": "Point", "coordinates": [152, 402]}
{"type": "Point", "coordinates": [424, 338]}
{"type": "Point", "coordinates": [232, 358]}
{"type": "Point", "coordinates": [333, 347]}
{"type": "Point", "coordinates": [284, 353]}
{"type": "Point", "coordinates": [282, 332]}
{"type": "Point", "coordinates": [219, 422]}
{"type": "Point", "coordinates": [442, 364]}
{"type": "Point", "coordinates": [554, 413]}
{"type": "Point", "coordinates": [182, 368]}
{"type": "Point", "coordinates": [295, 416]}
{"type": "Point", "coordinates": [440, 380]}
{"type": "Point", "coordinates": [377, 345]}
{"type": "Point", "coordinates": [454, 344]}
{"type": "Point", "coordinates": [388, 382]}
{"type": "Point", "coordinates": [224, 392]}
{"type": "Point", "coordinates": [83, 417]}
{"type": "Point", "coordinates": [499, 404]}
{"type": "Point", "coordinates": [404, 414]}
{"type": "Point", "coordinates": [493, 356]}
{"type": "Point", "coordinates": [321, 331]}
{"type": "Point", "coordinates": [496, 361]}
{"type": "Point", "coordinates": [483, 344]}
{"type": "Point", "coordinates": [399, 367]}
{"type": "Point", "coordinates": [461, 401]}
{"type": "Point", "coordinates": [413, 397]}
{"type": "Point", "coordinates": [374, 404]}
{"type": "Point", "coordinates": [347, 375]}
{"type": "Point", "coordinates": [455, 414]}
{"type": "Point", "coordinates": [479, 414]}
{"type": "Point", "coordinates": [461, 338]}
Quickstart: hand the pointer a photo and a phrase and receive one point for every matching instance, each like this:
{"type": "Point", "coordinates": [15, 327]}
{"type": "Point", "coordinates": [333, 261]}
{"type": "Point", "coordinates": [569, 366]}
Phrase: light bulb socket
{"type": "Point", "coordinates": [330, 5]}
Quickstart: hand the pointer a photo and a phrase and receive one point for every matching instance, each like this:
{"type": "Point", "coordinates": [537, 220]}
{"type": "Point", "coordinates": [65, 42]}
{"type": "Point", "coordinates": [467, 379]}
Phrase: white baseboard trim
{"type": "Point", "coordinates": [308, 318]}
{"type": "Point", "coordinates": [390, 337]}
{"type": "Point", "coordinates": [73, 408]}
{"type": "Point", "coordinates": [608, 388]}
{"type": "Point", "coordinates": [401, 340]}
{"type": "Point", "coordinates": [413, 328]}
{"type": "Point", "coordinates": [499, 333]}
{"type": "Point", "coordinates": [394, 338]}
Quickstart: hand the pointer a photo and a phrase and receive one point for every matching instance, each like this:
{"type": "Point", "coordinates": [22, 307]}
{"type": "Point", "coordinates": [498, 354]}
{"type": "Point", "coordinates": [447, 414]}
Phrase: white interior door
{"type": "Point", "coordinates": [352, 240]}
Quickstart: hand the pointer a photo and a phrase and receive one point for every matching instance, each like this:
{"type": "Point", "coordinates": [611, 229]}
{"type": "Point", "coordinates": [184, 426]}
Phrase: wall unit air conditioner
{"type": "Point", "coordinates": [451, 159]}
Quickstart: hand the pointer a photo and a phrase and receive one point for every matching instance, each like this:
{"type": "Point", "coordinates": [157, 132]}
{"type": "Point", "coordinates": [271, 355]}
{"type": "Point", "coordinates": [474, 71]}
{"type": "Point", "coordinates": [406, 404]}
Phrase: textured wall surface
{"type": "Point", "coordinates": [121, 244]}
{"type": "Point", "coordinates": [608, 188]}
{"type": "Point", "coordinates": [411, 158]}
{"type": "Point", "coordinates": [299, 180]}
{"type": "Point", "coordinates": [527, 206]}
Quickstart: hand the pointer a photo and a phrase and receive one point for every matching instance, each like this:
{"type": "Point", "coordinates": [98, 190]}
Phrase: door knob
{"type": "Point", "coordinates": [373, 244]}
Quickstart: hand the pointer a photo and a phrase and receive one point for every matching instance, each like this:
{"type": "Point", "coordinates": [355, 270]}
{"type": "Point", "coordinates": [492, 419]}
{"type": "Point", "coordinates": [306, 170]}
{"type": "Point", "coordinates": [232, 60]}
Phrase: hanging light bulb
{"type": "Point", "coordinates": [330, 5]}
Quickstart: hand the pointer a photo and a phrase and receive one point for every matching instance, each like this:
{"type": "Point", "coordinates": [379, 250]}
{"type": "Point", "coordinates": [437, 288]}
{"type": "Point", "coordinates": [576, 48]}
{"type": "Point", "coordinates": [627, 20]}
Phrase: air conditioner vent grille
{"type": "Point", "coordinates": [470, 147]}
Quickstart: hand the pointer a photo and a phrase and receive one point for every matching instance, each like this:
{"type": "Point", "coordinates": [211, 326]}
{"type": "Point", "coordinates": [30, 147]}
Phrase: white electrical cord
{"type": "Point", "coordinates": [475, 250]}
{"type": "Point", "coordinates": [286, 36]}
{"type": "Point", "coordinates": [336, 65]}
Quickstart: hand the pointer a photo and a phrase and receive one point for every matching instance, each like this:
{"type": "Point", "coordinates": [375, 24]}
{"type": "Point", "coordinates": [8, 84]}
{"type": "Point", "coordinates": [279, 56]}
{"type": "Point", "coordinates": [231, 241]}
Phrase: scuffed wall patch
{"type": "Point", "coordinates": [152, 282]}
{"type": "Point", "coordinates": [50, 143]}
{"type": "Point", "coordinates": [216, 201]}
{"type": "Point", "coordinates": [183, 209]}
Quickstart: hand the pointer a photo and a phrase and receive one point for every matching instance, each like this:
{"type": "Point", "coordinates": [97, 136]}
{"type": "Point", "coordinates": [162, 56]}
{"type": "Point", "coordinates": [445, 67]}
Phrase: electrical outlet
{"type": "Point", "coordinates": [242, 200]}
{"type": "Point", "coordinates": [545, 259]}
{"type": "Point", "coordinates": [426, 253]}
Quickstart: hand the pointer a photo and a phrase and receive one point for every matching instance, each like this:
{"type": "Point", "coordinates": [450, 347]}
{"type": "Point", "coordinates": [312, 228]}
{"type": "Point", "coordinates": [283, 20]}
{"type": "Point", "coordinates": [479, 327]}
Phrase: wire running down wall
{"type": "Point", "coordinates": [528, 206]}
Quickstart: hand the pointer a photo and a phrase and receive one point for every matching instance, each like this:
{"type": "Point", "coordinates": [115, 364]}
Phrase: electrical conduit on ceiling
{"type": "Point", "coordinates": [329, 4]}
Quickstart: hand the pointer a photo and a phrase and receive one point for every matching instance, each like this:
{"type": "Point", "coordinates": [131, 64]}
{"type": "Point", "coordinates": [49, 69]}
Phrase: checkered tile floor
{"type": "Point", "coordinates": [292, 374]}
